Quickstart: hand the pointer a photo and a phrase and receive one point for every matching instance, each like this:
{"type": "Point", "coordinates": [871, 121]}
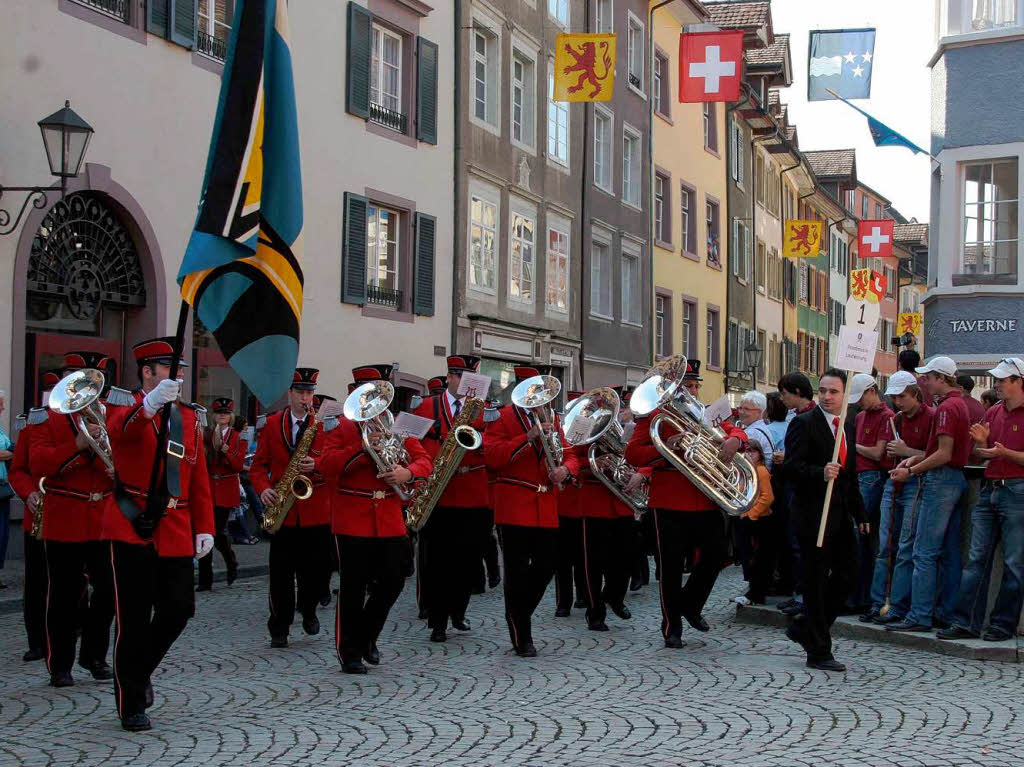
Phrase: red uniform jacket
{"type": "Point", "coordinates": [523, 494]}
{"type": "Point", "coordinates": [133, 438]}
{"type": "Point", "coordinates": [21, 477]}
{"type": "Point", "coordinates": [468, 486]}
{"type": "Point", "coordinates": [77, 485]}
{"type": "Point", "coordinates": [593, 497]}
{"type": "Point", "coordinates": [366, 506]}
{"type": "Point", "coordinates": [272, 456]}
{"type": "Point", "coordinates": [224, 467]}
{"type": "Point", "coordinates": [669, 488]}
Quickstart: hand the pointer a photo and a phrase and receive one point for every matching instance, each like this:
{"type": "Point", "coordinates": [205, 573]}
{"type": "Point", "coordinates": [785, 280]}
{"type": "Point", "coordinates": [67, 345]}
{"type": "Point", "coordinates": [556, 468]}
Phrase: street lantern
{"type": "Point", "coordinates": [65, 138]}
{"type": "Point", "coordinates": [754, 354]}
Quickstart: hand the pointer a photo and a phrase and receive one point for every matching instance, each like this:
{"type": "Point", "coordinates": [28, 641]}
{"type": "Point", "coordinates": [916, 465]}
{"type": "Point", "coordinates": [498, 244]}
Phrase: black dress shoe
{"type": "Point", "coordinates": [324, 600]}
{"type": "Point", "coordinates": [580, 603]}
{"type": "Point", "coordinates": [233, 576]}
{"type": "Point", "coordinates": [597, 626]}
{"type": "Point", "coordinates": [354, 667]}
{"type": "Point", "coordinates": [885, 620]}
{"type": "Point", "coordinates": [62, 679]}
{"type": "Point", "coordinates": [622, 611]}
{"type": "Point", "coordinates": [149, 694]}
{"type": "Point", "coordinates": [635, 584]}
{"type": "Point", "coordinates": [830, 664]}
{"type": "Point", "coordinates": [136, 723]}
{"type": "Point", "coordinates": [438, 635]}
{"type": "Point", "coordinates": [279, 641]}
{"type": "Point", "coordinates": [562, 612]}
{"type": "Point", "coordinates": [311, 625]}
{"type": "Point", "coordinates": [36, 653]}
{"type": "Point", "coordinates": [955, 632]}
{"type": "Point", "coordinates": [673, 642]}
{"type": "Point", "coordinates": [527, 650]}
{"type": "Point", "coordinates": [423, 614]}
{"type": "Point", "coordinates": [786, 604]}
{"type": "Point", "coordinates": [698, 622]}
{"type": "Point", "coordinates": [905, 625]}
{"type": "Point", "coordinates": [996, 635]}
{"type": "Point", "coordinates": [493, 583]}
{"type": "Point", "coordinates": [868, 617]}
{"type": "Point", "coordinates": [797, 608]}
{"type": "Point", "coordinates": [204, 587]}
{"type": "Point", "coordinates": [100, 670]}
{"type": "Point", "coordinates": [372, 654]}
{"type": "Point", "coordinates": [461, 624]}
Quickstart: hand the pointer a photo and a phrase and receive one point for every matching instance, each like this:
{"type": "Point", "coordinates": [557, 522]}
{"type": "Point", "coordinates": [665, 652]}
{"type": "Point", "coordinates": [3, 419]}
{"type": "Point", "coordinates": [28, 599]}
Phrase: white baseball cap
{"type": "Point", "coordinates": [899, 381]}
{"type": "Point", "coordinates": [860, 384]}
{"type": "Point", "coordinates": [943, 365]}
{"type": "Point", "coordinates": [1011, 366]}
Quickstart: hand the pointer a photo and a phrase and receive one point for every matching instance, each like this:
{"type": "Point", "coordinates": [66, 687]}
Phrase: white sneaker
{"type": "Point", "coordinates": [741, 600]}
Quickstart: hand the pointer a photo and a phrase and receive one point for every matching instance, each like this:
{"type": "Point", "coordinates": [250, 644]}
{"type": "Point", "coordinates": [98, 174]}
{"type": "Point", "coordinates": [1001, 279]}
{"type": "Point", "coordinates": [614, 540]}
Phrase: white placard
{"type": "Point", "coordinates": [474, 385]}
{"type": "Point", "coordinates": [717, 411]}
{"type": "Point", "coordinates": [580, 430]}
{"type": "Point", "coordinates": [856, 350]}
{"type": "Point", "coordinates": [861, 314]}
{"type": "Point", "coordinates": [409, 425]}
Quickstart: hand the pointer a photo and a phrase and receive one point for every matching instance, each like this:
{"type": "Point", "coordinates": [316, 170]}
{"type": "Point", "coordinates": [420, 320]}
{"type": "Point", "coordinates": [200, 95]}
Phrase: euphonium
{"type": "Point", "coordinates": [607, 445]}
{"type": "Point", "coordinates": [368, 405]}
{"type": "Point", "coordinates": [292, 485]}
{"type": "Point", "coordinates": [535, 395]}
{"type": "Point", "coordinates": [731, 485]}
{"type": "Point", "coordinates": [79, 392]}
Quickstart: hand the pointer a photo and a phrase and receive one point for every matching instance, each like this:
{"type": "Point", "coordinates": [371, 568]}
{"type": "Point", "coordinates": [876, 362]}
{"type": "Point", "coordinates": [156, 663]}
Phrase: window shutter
{"type": "Point", "coordinates": [183, 22]}
{"type": "Point", "coordinates": [353, 254]}
{"type": "Point", "coordinates": [426, 90]}
{"type": "Point", "coordinates": [156, 17]}
{"type": "Point", "coordinates": [423, 270]}
{"type": "Point", "coordinates": [357, 65]}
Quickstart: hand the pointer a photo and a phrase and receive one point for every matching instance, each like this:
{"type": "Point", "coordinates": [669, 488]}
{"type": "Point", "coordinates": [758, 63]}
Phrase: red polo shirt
{"type": "Point", "coordinates": [873, 425]}
{"type": "Point", "coordinates": [1007, 428]}
{"type": "Point", "coordinates": [975, 410]}
{"type": "Point", "coordinates": [915, 429]}
{"type": "Point", "coordinates": [951, 419]}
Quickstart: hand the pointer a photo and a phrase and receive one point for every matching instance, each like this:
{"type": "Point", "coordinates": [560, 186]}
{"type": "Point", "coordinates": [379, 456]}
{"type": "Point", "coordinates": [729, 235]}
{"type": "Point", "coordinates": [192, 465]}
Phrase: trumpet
{"type": "Point", "coordinates": [79, 393]}
{"type": "Point", "coordinates": [368, 405]}
{"type": "Point", "coordinates": [535, 395]}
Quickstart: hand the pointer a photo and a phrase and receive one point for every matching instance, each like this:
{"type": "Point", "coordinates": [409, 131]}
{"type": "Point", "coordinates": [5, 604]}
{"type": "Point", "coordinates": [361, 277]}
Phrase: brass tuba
{"type": "Point", "coordinates": [79, 393]}
{"type": "Point", "coordinates": [535, 395]}
{"type": "Point", "coordinates": [593, 419]}
{"type": "Point", "coordinates": [733, 485]}
{"type": "Point", "coordinates": [368, 405]}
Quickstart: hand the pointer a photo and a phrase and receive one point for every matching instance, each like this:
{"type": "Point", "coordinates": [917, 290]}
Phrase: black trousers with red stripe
{"type": "Point", "coordinates": [36, 584]}
{"type": "Point", "coordinates": [221, 543]}
{"type": "Point", "coordinates": [298, 555]}
{"type": "Point", "coordinates": [453, 540]}
{"type": "Point", "coordinates": [569, 567]}
{"type": "Point", "coordinates": [530, 556]}
{"type": "Point", "coordinates": [362, 611]}
{"type": "Point", "coordinates": [606, 562]}
{"type": "Point", "coordinates": [154, 601]}
{"type": "Point", "coordinates": [68, 564]}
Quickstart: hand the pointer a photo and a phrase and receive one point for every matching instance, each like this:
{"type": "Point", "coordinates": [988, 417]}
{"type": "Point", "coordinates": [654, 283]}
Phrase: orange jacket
{"type": "Point", "coordinates": [765, 497]}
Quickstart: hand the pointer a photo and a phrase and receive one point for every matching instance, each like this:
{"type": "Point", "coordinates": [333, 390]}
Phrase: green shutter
{"type": "Point", "coordinates": [156, 17]}
{"type": "Point", "coordinates": [353, 253]}
{"type": "Point", "coordinates": [423, 270]}
{"type": "Point", "coordinates": [426, 90]}
{"type": "Point", "coordinates": [183, 20]}
{"type": "Point", "coordinates": [357, 69]}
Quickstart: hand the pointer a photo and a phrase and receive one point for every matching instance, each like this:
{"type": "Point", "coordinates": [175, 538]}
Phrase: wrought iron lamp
{"type": "Point", "coordinates": [754, 353]}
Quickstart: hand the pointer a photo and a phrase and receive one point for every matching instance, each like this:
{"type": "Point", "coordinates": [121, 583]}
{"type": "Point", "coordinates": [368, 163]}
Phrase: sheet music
{"type": "Point", "coordinates": [474, 385]}
{"type": "Point", "coordinates": [409, 425]}
{"type": "Point", "coordinates": [580, 430]}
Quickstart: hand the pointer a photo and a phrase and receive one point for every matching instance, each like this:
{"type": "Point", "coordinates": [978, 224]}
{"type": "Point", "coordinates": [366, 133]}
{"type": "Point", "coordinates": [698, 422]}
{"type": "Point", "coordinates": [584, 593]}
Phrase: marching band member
{"type": "Point", "coordinates": [369, 533]}
{"type": "Point", "coordinates": [569, 567]}
{"type": "Point", "coordinates": [299, 550]}
{"type": "Point", "coordinates": [683, 518]}
{"type": "Point", "coordinates": [77, 487]}
{"type": "Point", "coordinates": [526, 511]}
{"type": "Point", "coordinates": [453, 535]}
{"type": "Point", "coordinates": [225, 454]}
{"type": "Point", "coordinates": [153, 594]}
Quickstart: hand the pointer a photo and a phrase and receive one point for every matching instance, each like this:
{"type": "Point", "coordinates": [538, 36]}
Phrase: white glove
{"type": "Point", "coordinates": [165, 392]}
{"type": "Point", "coordinates": [204, 545]}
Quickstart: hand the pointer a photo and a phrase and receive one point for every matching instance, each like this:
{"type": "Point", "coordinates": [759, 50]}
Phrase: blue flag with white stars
{"type": "Point", "coordinates": [840, 60]}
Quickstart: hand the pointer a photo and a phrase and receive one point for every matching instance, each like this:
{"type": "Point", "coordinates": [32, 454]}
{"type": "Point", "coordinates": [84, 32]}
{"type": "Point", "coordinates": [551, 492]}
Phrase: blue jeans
{"type": "Point", "coordinates": [896, 500]}
{"type": "Point", "coordinates": [937, 535]}
{"type": "Point", "coordinates": [998, 515]}
{"type": "Point", "coordinates": [871, 485]}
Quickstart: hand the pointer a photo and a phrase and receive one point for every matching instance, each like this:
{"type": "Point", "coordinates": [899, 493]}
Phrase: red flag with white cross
{"type": "Point", "coordinates": [710, 66]}
{"type": "Point", "coordinates": [875, 238]}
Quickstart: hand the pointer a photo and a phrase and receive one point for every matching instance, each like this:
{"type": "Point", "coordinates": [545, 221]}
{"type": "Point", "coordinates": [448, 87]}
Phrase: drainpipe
{"type": "Point", "coordinates": [650, 168]}
{"type": "Point", "coordinates": [753, 262]}
{"type": "Point", "coordinates": [457, 134]}
{"type": "Point", "coordinates": [782, 346]}
{"type": "Point", "coordinates": [584, 218]}
{"type": "Point", "coordinates": [728, 165]}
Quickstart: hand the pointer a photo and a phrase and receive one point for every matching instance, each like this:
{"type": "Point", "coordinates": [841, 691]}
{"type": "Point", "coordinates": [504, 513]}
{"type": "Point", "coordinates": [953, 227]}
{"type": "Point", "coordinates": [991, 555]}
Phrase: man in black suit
{"type": "Point", "coordinates": [827, 571]}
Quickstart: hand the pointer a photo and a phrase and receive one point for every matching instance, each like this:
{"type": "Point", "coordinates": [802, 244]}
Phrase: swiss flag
{"type": "Point", "coordinates": [875, 238]}
{"type": "Point", "coordinates": [710, 66]}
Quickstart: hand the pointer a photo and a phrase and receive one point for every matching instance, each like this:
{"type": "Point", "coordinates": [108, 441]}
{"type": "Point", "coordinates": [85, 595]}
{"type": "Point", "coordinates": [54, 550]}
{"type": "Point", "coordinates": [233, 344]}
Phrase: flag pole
{"type": "Point", "coordinates": [840, 436]}
{"type": "Point", "coordinates": [857, 108]}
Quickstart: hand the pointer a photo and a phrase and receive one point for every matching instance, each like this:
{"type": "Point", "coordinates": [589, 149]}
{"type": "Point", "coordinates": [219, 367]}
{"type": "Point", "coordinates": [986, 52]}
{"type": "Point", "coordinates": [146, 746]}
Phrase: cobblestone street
{"type": "Point", "coordinates": [737, 696]}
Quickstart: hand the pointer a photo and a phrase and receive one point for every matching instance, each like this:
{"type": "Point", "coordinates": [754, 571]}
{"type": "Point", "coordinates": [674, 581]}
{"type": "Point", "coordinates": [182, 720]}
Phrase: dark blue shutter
{"type": "Point", "coordinates": [183, 22]}
{"type": "Point", "coordinates": [156, 17]}
{"type": "Point", "coordinates": [357, 67]}
{"type": "Point", "coordinates": [426, 90]}
{"type": "Point", "coordinates": [353, 253]}
{"type": "Point", "coordinates": [423, 271]}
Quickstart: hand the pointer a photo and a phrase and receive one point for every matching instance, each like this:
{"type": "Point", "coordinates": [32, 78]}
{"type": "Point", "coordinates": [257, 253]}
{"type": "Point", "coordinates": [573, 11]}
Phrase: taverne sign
{"type": "Point", "coordinates": [983, 326]}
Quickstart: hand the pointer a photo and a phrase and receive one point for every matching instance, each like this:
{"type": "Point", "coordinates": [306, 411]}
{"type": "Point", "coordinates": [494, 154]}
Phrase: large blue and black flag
{"type": "Point", "coordinates": [241, 269]}
{"type": "Point", "coordinates": [841, 60]}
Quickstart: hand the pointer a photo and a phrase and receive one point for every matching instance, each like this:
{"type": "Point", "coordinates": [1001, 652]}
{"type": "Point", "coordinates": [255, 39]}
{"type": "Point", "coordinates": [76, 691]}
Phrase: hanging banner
{"type": "Point", "coordinates": [909, 322]}
{"type": "Point", "coordinates": [868, 285]}
{"type": "Point", "coordinates": [802, 239]}
{"type": "Point", "coordinates": [584, 67]}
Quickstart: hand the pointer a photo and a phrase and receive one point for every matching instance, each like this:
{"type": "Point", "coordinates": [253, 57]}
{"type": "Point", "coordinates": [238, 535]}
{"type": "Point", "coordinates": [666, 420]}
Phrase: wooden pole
{"type": "Point", "coordinates": [835, 457]}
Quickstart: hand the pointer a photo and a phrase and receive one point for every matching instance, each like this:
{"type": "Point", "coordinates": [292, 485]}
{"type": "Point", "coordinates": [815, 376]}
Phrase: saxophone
{"type": "Point", "coordinates": [37, 512]}
{"type": "Point", "coordinates": [292, 486]}
{"type": "Point", "coordinates": [461, 437]}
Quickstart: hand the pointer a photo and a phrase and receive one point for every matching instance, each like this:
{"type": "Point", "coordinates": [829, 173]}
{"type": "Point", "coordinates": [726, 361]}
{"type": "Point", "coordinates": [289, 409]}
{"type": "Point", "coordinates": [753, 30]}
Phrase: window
{"type": "Point", "coordinates": [662, 315]}
{"type": "Point", "coordinates": [762, 343]}
{"type": "Point", "coordinates": [382, 235]}
{"type": "Point", "coordinates": [604, 124]}
{"type": "Point", "coordinates": [739, 250]}
{"type": "Point", "coordinates": [688, 221]}
{"type": "Point", "coordinates": [992, 14]}
{"type": "Point", "coordinates": [523, 106]}
{"type": "Point", "coordinates": [803, 282]}
{"type": "Point", "coordinates": [736, 147]}
{"type": "Point", "coordinates": [213, 28]}
{"type": "Point", "coordinates": [605, 22]}
{"type": "Point", "coordinates": [759, 182]}
{"type": "Point", "coordinates": [558, 123]}
{"type": "Point", "coordinates": [714, 353]}
{"type": "Point", "coordinates": [482, 237]}
{"type": "Point", "coordinates": [631, 296]}
{"type": "Point", "coordinates": [558, 270]}
{"type": "Point", "coordinates": [631, 172]}
{"type": "Point", "coordinates": [761, 266]}
{"type": "Point", "coordinates": [386, 78]}
{"type": "Point", "coordinates": [559, 11]}
{"type": "Point", "coordinates": [635, 52]}
{"type": "Point", "coordinates": [863, 205]}
{"type": "Point", "coordinates": [989, 252]}
{"type": "Point", "coordinates": [689, 328]}
{"type": "Point", "coordinates": [878, 210]}
{"type": "Point", "coordinates": [711, 221]}
{"type": "Point", "coordinates": [662, 85]}
{"type": "Point", "coordinates": [663, 208]}
{"type": "Point", "coordinates": [520, 258]}
{"type": "Point", "coordinates": [710, 126]}
{"type": "Point", "coordinates": [601, 279]}
{"type": "Point", "coordinates": [486, 53]}
{"type": "Point", "coordinates": [890, 282]}
{"type": "Point", "coordinates": [732, 347]}
{"type": "Point", "coordinates": [851, 199]}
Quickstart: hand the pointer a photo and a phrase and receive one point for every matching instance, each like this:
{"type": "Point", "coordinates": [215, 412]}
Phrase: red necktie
{"type": "Point", "coordinates": [842, 441]}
